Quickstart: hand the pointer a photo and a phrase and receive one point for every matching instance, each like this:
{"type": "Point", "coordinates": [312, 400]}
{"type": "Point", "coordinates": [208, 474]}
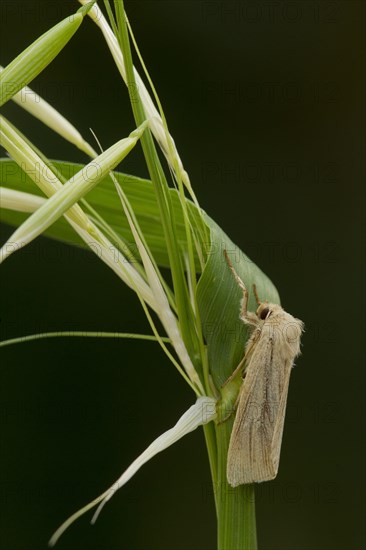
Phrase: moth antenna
{"type": "Point", "coordinates": [256, 295]}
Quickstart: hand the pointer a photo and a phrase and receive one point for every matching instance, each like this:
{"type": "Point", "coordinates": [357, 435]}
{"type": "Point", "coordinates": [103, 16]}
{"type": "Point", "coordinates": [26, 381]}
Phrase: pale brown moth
{"type": "Point", "coordinates": [274, 343]}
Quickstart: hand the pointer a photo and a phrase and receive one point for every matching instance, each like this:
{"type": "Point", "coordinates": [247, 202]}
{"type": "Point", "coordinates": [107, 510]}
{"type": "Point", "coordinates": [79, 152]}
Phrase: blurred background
{"type": "Point", "coordinates": [265, 102]}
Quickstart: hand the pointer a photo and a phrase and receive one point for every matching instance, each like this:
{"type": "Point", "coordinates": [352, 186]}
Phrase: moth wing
{"type": "Point", "coordinates": [280, 421]}
{"type": "Point", "coordinates": [287, 348]}
{"type": "Point", "coordinates": [257, 423]}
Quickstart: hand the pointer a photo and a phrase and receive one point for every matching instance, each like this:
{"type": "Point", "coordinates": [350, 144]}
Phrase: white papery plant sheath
{"type": "Point", "coordinates": [202, 412]}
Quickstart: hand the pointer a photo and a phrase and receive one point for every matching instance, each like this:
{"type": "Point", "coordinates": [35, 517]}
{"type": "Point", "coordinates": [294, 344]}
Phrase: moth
{"type": "Point", "coordinates": [273, 345]}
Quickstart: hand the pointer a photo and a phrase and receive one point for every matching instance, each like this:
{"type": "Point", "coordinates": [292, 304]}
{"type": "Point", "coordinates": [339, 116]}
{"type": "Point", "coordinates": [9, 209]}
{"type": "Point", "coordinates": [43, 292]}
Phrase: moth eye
{"type": "Point", "coordinates": [264, 313]}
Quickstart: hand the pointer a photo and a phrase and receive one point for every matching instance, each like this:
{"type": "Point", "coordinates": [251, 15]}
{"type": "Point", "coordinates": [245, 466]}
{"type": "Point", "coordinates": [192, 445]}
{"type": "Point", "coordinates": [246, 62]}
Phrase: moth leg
{"type": "Point", "coordinates": [230, 412]}
{"type": "Point", "coordinates": [236, 276]}
{"type": "Point", "coordinates": [235, 372]}
{"type": "Point", "coordinates": [248, 318]}
{"type": "Point", "coordinates": [244, 304]}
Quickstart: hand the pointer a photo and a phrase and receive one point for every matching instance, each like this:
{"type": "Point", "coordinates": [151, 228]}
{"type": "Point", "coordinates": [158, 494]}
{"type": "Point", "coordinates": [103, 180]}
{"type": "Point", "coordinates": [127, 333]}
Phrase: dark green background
{"type": "Point", "coordinates": [264, 100]}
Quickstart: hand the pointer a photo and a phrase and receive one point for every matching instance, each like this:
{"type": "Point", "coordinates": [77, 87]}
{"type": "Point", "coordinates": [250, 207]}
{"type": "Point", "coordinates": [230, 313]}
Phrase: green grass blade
{"type": "Point", "coordinates": [27, 157]}
{"type": "Point", "coordinates": [180, 288]}
{"type": "Point", "coordinates": [82, 334]}
{"type": "Point", "coordinates": [236, 525]}
{"type": "Point", "coordinates": [28, 64]}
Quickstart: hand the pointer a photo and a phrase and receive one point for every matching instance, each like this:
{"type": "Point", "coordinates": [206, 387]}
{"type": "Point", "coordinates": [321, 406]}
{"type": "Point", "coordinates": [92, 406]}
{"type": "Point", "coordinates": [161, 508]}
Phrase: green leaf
{"type": "Point", "coordinates": [105, 201]}
{"type": "Point", "coordinates": [219, 298]}
{"type": "Point", "coordinates": [218, 294]}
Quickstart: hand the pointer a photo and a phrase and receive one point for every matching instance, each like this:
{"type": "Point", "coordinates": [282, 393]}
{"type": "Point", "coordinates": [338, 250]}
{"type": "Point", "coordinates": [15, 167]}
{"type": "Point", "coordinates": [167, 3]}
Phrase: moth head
{"type": "Point", "coordinates": [264, 311]}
